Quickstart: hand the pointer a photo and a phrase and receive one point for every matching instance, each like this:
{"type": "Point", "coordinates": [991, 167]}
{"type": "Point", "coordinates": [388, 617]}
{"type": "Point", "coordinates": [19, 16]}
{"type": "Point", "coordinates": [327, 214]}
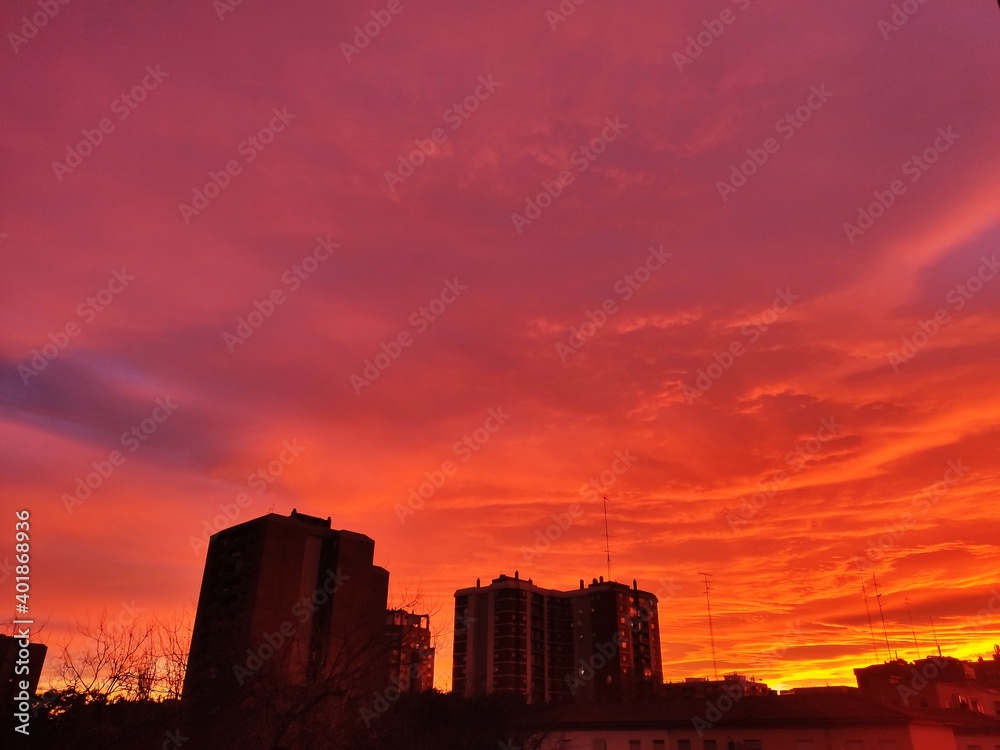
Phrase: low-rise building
{"type": "Point", "coordinates": [818, 721]}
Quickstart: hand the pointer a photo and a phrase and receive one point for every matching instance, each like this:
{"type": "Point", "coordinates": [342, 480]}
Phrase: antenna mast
{"type": "Point", "coordinates": [881, 612]}
{"type": "Point", "coordinates": [912, 629]}
{"type": "Point", "coordinates": [607, 536]}
{"type": "Point", "coordinates": [935, 636]}
{"type": "Point", "coordinates": [711, 629]}
{"type": "Point", "coordinates": [871, 628]}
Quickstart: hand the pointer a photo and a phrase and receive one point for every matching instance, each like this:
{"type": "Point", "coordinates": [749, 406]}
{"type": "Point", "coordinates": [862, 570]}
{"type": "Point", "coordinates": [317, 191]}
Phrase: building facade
{"type": "Point", "coordinates": [411, 656]}
{"type": "Point", "coordinates": [755, 722]}
{"type": "Point", "coordinates": [287, 600]}
{"type": "Point", "coordinates": [937, 682]}
{"type": "Point", "coordinates": [596, 643]}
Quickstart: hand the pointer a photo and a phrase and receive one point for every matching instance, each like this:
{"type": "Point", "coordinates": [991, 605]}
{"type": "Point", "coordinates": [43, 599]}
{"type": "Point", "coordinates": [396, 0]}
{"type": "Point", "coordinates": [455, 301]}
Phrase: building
{"type": "Point", "coordinates": [411, 656]}
{"type": "Point", "coordinates": [816, 721]}
{"type": "Point", "coordinates": [288, 601]}
{"type": "Point", "coordinates": [596, 643]}
{"type": "Point", "coordinates": [20, 668]}
{"type": "Point", "coordinates": [701, 688]}
{"type": "Point", "coordinates": [988, 672]}
{"type": "Point", "coordinates": [937, 682]}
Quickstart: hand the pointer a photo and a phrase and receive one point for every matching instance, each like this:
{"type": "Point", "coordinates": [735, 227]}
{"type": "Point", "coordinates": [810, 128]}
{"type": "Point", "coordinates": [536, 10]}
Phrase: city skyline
{"type": "Point", "coordinates": [453, 275]}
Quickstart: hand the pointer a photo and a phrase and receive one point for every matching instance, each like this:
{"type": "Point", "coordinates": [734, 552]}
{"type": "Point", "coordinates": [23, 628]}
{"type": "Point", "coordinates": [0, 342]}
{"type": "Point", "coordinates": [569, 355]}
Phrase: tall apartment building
{"type": "Point", "coordinates": [411, 656]}
{"type": "Point", "coordinates": [596, 643]}
{"type": "Point", "coordinates": [291, 601]}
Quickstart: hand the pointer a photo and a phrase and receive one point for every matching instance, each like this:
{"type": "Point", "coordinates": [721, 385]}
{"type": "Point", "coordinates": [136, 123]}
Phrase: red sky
{"type": "Point", "coordinates": [791, 316]}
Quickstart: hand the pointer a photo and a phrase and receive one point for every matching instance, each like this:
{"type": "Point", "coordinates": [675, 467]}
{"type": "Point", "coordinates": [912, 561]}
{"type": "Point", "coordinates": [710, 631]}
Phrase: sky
{"type": "Point", "coordinates": [450, 273]}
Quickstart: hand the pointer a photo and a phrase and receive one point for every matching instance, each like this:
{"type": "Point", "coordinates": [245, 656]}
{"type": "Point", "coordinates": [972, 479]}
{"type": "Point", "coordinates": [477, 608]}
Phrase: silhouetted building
{"type": "Point", "coordinates": [988, 672]}
{"type": "Point", "coordinates": [19, 662]}
{"type": "Point", "coordinates": [701, 688]}
{"type": "Point", "coordinates": [767, 722]}
{"type": "Point", "coordinates": [937, 682]}
{"type": "Point", "coordinates": [411, 656]}
{"type": "Point", "coordinates": [595, 643]}
{"type": "Point", "coordinates": [289, 601]}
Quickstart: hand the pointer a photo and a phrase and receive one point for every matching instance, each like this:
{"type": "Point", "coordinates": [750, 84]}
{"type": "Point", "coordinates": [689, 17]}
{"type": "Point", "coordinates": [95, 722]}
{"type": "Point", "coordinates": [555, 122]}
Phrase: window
{"type": "Point", "coordinates": [683, 744]}
{"type": "Point", "coordinates": [805, 745]}
{"type": "Point", "coordinates": [659, 745]}
{"type": "Point", "coordinates": [710, 745]}
{"type": "Point", "coordinates": [635, 745]}
{"type": "Point", "coordinates": [600, 745]}
{"type": "Point", "coordinates": [753, 745]}
{"type": "Point", "coordinates": [854, 745]}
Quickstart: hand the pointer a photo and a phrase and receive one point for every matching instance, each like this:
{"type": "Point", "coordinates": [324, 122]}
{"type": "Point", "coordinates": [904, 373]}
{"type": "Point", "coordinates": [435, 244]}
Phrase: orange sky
{"type": "Point", "coordinates": [762, 305]}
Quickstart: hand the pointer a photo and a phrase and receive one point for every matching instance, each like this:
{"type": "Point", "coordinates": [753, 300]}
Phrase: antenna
{"type": "Point", "coordinates": [711, 629]}
{"type": "Point", "coordinates": [607, 536]}
{"type": "Point", "coordinates": [871, 628]}
{"type": "Point", "coordinates": [935, 636]}
{"type": "Point", "coordinates": [912, 630]}
{"type": "Point", "coordinates": [888, 649]}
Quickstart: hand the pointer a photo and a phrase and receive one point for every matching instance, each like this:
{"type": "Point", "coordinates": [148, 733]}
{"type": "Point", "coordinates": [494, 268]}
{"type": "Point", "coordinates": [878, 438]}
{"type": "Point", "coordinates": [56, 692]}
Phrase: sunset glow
{"type": "Point", "coordinates": [454, 285]}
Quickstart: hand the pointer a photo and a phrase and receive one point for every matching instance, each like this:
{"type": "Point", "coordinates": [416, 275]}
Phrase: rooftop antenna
{"type": "Point", "coordinates": [607, 536]}
{"type": "Point", "coordinates": [912, 629]}
{"type": "Point", "coordinates": [935, 636]}
{"type": "Point", "coordinates": [871, 628]}
{"type": "Point", "coordinates": [711, 629]}
{"type": "Point", "coordinates": [878, 596]}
